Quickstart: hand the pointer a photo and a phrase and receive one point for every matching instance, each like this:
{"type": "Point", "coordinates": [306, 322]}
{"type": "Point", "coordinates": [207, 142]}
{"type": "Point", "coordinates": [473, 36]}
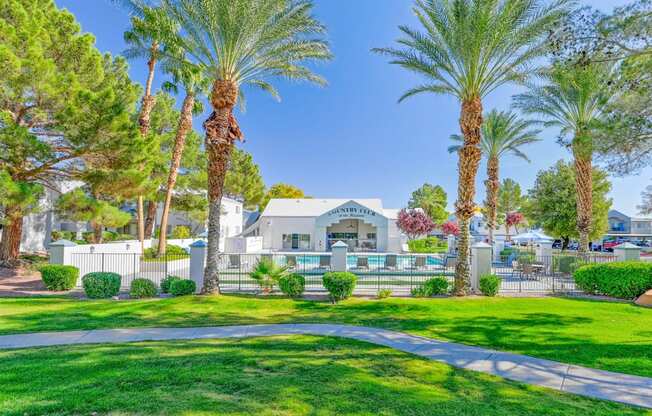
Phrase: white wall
{"type": "Point", "coordinates": [273, 228]}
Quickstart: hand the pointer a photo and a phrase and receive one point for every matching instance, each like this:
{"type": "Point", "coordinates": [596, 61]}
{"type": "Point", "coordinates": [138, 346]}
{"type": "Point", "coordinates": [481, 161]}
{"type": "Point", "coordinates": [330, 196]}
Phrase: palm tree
{"type": "Point", "coordinates": [190, 78]}
{"type": "Point", "coordinates": [467, 49]}
{"type": "Point", "coordinates": [144, 42]}
{"type": "Point", "coordinates": [237, 43]}
{"type": "Point", "coordinates": [573, 97]}
{"type": "Point", "coordinates": [502, 133]}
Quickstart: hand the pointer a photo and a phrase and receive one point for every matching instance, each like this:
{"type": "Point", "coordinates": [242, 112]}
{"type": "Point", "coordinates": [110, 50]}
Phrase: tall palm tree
{"type": "Point", "coordinates": [468, 48]}
{"type": "Point", "coordinates": [237, 43]}
{"type": "Point", "coordinates": [574, 98]}
{"type": "Point", "coordinates": [191, 79]}
{"type": "Point", "coordinates": [502, 133]}
{"type": "Point", "coordinates": [143, 39]}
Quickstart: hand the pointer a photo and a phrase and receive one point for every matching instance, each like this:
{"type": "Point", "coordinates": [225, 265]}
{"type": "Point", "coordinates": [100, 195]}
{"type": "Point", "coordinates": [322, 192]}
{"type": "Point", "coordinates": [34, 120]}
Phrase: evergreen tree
{"type": "Point", "coordinates": [60, 104]}
{"type": "Point", "coordinates": [433, 200]}
{"type": "Point", "coordinates": [283, 191]}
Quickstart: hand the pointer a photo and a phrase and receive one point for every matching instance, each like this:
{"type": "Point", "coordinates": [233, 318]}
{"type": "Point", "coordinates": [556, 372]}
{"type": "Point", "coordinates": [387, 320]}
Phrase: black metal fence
{"type": "Point", "coordinates": [521, 272]}
{"type": "Point", "coordinates": [529, 272]}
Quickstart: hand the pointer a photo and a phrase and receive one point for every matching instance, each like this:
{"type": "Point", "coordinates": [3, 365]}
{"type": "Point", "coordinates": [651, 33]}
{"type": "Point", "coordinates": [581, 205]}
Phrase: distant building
{"type": "Point", "coordinates": [622, 225]}
{"type": "Point", "coordinates": [316, 224]}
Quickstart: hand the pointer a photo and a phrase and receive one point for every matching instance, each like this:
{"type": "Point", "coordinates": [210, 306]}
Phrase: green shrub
{"type": "Point", "coordinates": [292, 285]}
{"type": "Point", "coordinates": [428, 245]}
{"type": "Point", "coordinates": [419, 292]}
{"type": "Point", "coordinates": [490, 284]}
{"type": "Point", "coordinates": [124, 237]}
{"type": "Point", "coordinates": [431, 287]}
{"type": "Point", "coordinates": [267, 273]}
{"type": "Point", "coordinates": [142, 288]}
{"type": "Point", "coordinates": [626, 280]}
{"type": "Point", "coordinates": [526, 257]}
{"type": "Point", "coordinates": [62, 235]}
{"type": "Point", "coordinates": [59, 277]}
{"type": "Point", "coordinates": [384, 293]}
{"type": "Point", "coordinates": [182, 287]}
{"type": "Point", "coordinates": [166, 282]}
{"type": "Point", "coordinates": [340, 285]}
{"type": "Point", "coordinates": [108, 236]}
{"type": "Point", "coordinates": [436, 286]}
{"type": "Point", "coordinates": [180, 232]}
{"type": "Point", "coordinates": [100, 285]}
{"type": "Point", "coordinates": [170, 251]}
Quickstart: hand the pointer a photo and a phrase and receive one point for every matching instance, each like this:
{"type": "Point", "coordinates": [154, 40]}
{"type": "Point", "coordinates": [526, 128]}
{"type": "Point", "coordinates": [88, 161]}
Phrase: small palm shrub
{"type": "Point", "coordinates": [142, 288]}
{"type": "Point", "coordinates": [292, 285]}
{"type": "Point", "coordinates": [340, 285]}
{"type": "Point", "coordinates": [625, 279]}
{"type": "Point", "coordinates": [384, 293]}
{"type": "Point", "coordinates": [166, 282]}
{"type": "Point", "coordinates": [490, 284]}
{"type": "Point", "coordinates": [59, 276]}
{"type": "Point", "coordinates": [267, 273]}
{"type": "Point", "coordinates": [182, 287]}
{"type": "Point", "coordinates": [99, 285]}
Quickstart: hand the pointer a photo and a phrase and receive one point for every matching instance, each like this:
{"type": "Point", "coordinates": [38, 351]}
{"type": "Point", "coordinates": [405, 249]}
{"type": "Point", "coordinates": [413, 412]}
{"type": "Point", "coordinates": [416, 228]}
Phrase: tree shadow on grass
{"type": "Point", "coordinates": [280, 376]}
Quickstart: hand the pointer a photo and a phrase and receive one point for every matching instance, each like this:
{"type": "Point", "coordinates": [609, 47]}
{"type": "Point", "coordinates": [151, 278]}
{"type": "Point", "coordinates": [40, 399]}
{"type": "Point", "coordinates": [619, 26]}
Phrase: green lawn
{"type": "Point", "coordinates": [271, 376]}
{"type": "Point", "coordinates": [606, 335]}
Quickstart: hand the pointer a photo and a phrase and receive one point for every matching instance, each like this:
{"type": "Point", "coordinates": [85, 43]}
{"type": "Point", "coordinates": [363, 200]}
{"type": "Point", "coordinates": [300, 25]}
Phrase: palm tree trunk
{"type": "Point", "coordinates": [11, 235]}
{"type": "Point", "coordinates": [469, 160]}
{"type": "Point", "coordinates": [221, 132]}
{"type": "Point", "coordinates": [97, 233]}
{"type": "Point", "coordinates": [185, 124]}
{"type": "Point", "coordinates": [492, 183]}
{"type": "Point", "coordinates": [144, 123]}
{"type": "Point", "coordinates": [584, 189]}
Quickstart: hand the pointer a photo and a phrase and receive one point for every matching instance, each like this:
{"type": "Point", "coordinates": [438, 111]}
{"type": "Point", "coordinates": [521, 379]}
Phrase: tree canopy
{"type": "Point", "coordinates": [433, 200]}
{"type": "Point", "coordinates": [552, 206]}
{"type": "Point", "coordinates": [281, 190]}
{"type": "Point", "coordinates": [243, 179]}
{"type": "Point", "coordinates": [510, 199]}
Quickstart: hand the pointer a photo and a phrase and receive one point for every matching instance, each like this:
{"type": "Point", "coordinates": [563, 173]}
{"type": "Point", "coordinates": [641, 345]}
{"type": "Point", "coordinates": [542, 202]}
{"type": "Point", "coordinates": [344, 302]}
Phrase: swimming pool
{"type": "Point", "coordinates": [376, 261]}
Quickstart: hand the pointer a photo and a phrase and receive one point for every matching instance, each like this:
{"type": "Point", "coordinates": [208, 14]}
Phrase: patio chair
{"type": "Point", "coordinates": [291, 262]}
{"type": "Point", "coordinates": [527, 270]}
{"type": "Point", "coordinates": [325, 262]}
{"type": "Point", "coordinates": [419, 263]}
{"type": "Point", "coordinates": [362, 263]}
{"type": "Point", "coordinates": [390, 262]}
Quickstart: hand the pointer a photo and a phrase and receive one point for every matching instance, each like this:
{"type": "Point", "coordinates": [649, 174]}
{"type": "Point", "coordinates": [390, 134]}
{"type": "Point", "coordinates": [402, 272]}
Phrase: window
{"type": "Point", "coordinates": [371, 236]}
{"type": "Point", "coordinates": [296, 241]}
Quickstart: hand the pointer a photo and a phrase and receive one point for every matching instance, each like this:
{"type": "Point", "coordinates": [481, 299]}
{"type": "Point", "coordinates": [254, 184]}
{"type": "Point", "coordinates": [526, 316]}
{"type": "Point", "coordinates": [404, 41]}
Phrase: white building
{"type": "Point", "coordinates": [316, 224]}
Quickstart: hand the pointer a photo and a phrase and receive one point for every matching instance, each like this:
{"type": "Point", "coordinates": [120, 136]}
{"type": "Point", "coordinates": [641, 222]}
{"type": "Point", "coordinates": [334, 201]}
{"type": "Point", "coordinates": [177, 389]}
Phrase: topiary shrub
{"type": "Point", "coordinates": [59, 277]}
{"type": "Point", "coordinates": [340, 285]}
{"type": "Point", "coordinates": [436, 286]}
{"type": "Point", "coordinates": [625, 280]}
{"type": "Point", "coordinates": [490, 284]}
{"type": "Point", "coordinates": [166, 282]}
{"type": "Point", "coordinates": [142, 288]}
{"type": "Point", "coordinates": [182, 287]}
{"type": "Point", "coordinates": [100, 285]}
{"type": "Point", "coordinates": [292, 285]}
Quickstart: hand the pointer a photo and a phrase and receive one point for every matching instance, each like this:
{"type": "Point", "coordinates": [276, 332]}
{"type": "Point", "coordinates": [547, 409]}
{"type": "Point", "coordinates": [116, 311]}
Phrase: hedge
{"type": "Point", "coordinates": [167, 281]}
{"type": "Point", "coordinates": [490, 284]}
{"type": "Point", "coordinates": [625, 280]}
{"type": "Point", "coordinates": [100, 285]}
{"type": "Point", "coordinates": [428, 245]}
{"type": "Point", "coordinates": [340, 285]}
{"type": "Point", "coordinates": [182, 287]}
{"type": "Point", "coordinates": [142, 288]}
{"type": "Point", "coordinates": [292, 285]}
{"type": "Point", "coordinates": [59, 276]}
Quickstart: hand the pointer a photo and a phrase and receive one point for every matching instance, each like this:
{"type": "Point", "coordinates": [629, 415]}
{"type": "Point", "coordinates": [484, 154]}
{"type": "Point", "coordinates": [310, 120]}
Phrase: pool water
{"type": "Point", "coordinates": [375, 261]}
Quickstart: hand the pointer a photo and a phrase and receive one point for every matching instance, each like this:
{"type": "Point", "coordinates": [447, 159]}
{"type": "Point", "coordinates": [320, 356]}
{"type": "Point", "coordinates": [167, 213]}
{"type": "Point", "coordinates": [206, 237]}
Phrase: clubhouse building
{"type": "Point", "coordinates": [316, 224]}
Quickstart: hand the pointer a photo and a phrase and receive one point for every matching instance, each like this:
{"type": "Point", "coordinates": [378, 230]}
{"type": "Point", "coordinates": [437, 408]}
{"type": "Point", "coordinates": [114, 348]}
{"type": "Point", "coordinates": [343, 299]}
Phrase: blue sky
{"type": "Point", "coordinates": [352, 139]}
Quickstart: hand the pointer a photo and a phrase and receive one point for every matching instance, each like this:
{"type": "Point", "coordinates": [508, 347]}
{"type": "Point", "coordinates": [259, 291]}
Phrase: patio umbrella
{"type": "Point", "coordinates": [532, 237]}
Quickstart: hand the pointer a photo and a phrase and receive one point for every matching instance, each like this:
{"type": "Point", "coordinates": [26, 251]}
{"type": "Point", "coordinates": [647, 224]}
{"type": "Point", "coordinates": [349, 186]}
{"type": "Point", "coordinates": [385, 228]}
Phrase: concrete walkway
{"type": "Point", "coordinates": [564, 377]}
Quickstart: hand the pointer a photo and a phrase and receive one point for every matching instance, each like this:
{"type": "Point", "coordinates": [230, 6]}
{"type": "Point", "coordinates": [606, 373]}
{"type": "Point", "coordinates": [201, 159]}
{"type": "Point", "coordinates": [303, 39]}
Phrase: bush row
{"type": "Point", "coordinates": [101, 285]}
{"type": "Point", "coordinates": [428, 245]}
{"type": "Point", "coordinates": [625, 280]}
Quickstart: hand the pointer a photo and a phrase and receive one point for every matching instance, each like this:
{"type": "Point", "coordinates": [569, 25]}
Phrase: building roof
{"type": "Point", "coordinates": [314, 207]}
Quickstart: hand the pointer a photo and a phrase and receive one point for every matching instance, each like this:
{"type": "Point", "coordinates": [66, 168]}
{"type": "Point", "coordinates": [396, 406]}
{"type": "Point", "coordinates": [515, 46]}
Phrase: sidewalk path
{"type": "Point", "coordinates": [559, 376]}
